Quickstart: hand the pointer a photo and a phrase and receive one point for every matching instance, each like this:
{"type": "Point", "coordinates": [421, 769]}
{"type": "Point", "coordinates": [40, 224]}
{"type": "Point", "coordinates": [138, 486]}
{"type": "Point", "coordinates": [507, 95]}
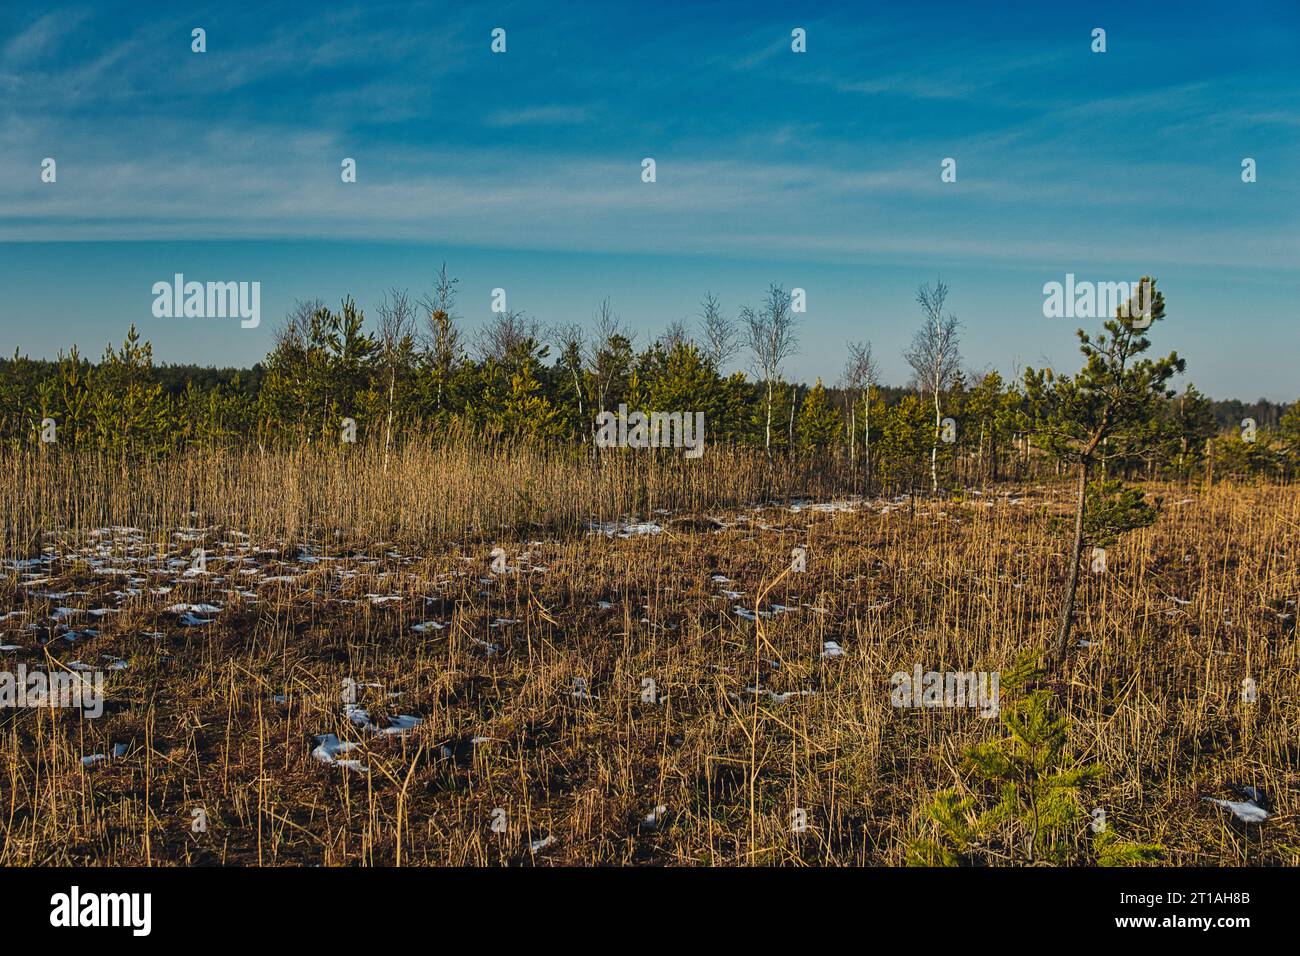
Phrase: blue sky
{"type": "Point", "coordinates": [522, 170]}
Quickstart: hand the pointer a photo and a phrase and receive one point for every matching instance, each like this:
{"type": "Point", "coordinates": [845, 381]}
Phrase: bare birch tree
{"type": "Point", "coordinates": [935, 359]}
{"type": "Point", "coordinates": [719, 333]}
{"type": "Point", "coordinates": [604, 351]}
{"type": "Point", "coordinates": [571, 341]}
{"type": "Point", "coordinates": [397, 350]}
{"type": "Point", "coordinates": [860, 374]}
{"type": "Point", "coordinates": [770, 337]}
{"type": "Point", "coordinates": [674, 335]}
{"type": "Point", "coordinates": [505, 332]}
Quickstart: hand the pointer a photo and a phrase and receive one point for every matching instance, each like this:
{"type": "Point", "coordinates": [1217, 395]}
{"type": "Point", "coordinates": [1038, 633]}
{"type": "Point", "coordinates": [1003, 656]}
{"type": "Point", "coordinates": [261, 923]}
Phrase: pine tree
{"type": "Point", "coordinates": [512, 400]}
{"type": "Point", "coordinates": [819, 424]}
{"type": "Point", "coordinates": [351, 364]}
{"type": "Point", "coordinates": [1188, 421]}
{"type": "Point", "coordinates": [1027, 784]}
{"type": "Point", "coordinates": [1115, 397]}
{"type": "Point", "coordinates": [904, 447]}
{"type": "Point", "coordinates": [20, 401]}
{"type": "Point", "coordinates": [1289, 438]}
{"type": "Point", "coordinates": [65, 397]}
{"type": "Point", "coordinates": [127, 406]}
{"type": "Point", "coordinates": [527, 412]}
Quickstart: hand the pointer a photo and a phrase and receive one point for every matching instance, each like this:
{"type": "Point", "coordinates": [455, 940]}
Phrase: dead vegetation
{"type": "Point", "coordinates": [645, 682]}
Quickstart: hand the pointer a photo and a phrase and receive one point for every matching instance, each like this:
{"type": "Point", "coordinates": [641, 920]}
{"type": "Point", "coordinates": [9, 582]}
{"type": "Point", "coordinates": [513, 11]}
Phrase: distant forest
{"type": "Point", "coordinates": [413, 370]}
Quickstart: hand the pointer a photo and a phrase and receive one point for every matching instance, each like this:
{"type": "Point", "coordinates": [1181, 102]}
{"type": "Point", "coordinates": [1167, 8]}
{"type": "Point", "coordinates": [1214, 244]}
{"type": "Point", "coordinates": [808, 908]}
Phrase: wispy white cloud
{"type": "Point", "coordinates": [539, 116]}
{"type": "Point", "coordinates": [265, 182]}
{"type": "Point", "coordinates": [41, 36]}
{"type": "Point", "coordinates": [159, 161]}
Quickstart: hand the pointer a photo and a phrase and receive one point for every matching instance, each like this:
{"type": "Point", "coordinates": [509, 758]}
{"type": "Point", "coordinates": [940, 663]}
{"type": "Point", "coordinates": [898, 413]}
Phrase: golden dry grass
{"type": "Point", "coordinates": [223, 716]}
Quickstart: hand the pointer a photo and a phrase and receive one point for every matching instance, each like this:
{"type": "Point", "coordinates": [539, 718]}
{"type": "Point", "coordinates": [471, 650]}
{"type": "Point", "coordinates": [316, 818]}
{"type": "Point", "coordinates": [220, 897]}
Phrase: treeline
{"type": "Point", "coordinates": [332, 376]}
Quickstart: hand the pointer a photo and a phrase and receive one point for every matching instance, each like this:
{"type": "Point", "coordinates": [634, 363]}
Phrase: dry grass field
{"type": "Point", "coordinates": [502, 714]}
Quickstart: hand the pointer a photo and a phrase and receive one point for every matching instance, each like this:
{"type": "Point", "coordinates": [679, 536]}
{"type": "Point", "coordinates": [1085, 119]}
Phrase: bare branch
{"type": "Point", "coordinates": [720, 333]}
{"type": "Point", "coordinates": [505, 332]}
